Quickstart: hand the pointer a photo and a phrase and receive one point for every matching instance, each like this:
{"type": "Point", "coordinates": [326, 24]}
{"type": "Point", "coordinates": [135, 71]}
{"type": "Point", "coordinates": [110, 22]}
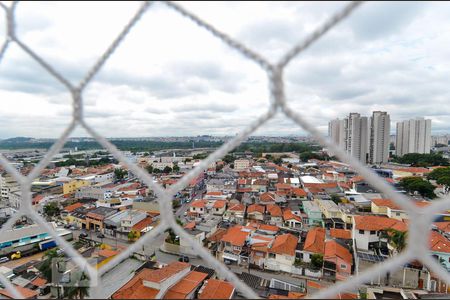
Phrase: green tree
{"type": "Point", "coordinates": [228, 158]}
{"type": "Point", "coordinates": [167, 169]}
{"type": "Point", "coordinates": [445, 181]}
{"type": "Point", "coordinates": [120, 173]}
{"type": "Point", "coordinates": [417, 184]}
{"type": "Point", "coordinates": [278, 160]}
{"type": "Point", "coordinates": [46, 266]}
{"type": "Point", "coordinates": [51, 209]}
{"type": "Point", "coordinates": [149, 169]}
{"type": "Point", "coordinates": [176, 168]}
{"type": "Point", "coordinates": [423, 160]}
{"type": "Point", "coordinates": [397, 239]}
{"type": "Point", "coordinates": [132, 236]}
{"type": "Point", "coordinates": [317, 261]}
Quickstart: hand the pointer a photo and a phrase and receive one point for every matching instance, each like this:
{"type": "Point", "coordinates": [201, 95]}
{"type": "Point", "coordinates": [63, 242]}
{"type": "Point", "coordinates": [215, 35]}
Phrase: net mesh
{"type": "Point", "coordinates": [420, 220]}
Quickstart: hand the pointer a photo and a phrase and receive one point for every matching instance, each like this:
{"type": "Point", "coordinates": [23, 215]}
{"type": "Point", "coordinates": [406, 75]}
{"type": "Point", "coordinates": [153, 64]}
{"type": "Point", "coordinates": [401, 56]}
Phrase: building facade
{"type": "Point", "coordinates": [413, 136]}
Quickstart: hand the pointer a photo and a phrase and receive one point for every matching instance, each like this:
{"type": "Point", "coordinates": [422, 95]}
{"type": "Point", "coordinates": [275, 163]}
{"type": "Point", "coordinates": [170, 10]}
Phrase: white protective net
{"type": "Point", "coordinates": [420, 220]}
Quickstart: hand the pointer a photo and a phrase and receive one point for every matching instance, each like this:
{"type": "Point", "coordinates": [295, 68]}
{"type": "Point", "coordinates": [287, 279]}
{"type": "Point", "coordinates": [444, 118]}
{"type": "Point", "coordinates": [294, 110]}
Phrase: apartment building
{"type": "Point", "coordinates": [413, 136]}
{"type": "Point", "coordinates": [379, 137]}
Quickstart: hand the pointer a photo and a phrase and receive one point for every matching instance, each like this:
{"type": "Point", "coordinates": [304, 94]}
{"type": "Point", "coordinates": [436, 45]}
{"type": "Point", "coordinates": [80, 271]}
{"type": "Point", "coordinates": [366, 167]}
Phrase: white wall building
{"type": "Point", "coordinates": [413, 136]}
{"type": "Point", "coordinates": [380, 126]}
{"type": "Point", "coordinates": [241, 164]}
{"type": "Point", "coordinates": [357, 136]}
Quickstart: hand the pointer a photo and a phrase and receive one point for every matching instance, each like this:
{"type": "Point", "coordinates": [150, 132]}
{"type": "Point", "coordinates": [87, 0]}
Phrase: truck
{"type": "Point", "coordinates": [47, 245]}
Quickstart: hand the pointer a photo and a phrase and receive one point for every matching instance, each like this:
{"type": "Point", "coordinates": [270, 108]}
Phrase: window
{"type": "Point", "coordinates": [343, 267]}
{"type": "Point", "coordinates": [397, 214]}
{"type": "Point", "coordinates": [271, 255]}
{"type": "Point", "coordinates": [372, 232]}
{"type": "Point", "coordinates": [361, 231]}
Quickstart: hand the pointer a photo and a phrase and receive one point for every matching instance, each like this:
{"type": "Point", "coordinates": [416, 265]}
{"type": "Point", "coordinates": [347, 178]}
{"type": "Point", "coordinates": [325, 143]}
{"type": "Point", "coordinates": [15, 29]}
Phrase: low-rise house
{"type": "Point", "coordinates": [232, 246]}
{"type": "Point", "coordinates": [341, 234]}
{"type": "Point", "coordinates": [391, 209]}
{"type": "Point", "coordinates": [291, 220]}
{"type": "Point", "coordinates": [219, 207]}
{"type": "Point", "coordinates": [299, 194]}
{"type": "Point", "coordinates": [235, 213]}
{"type": "Point", "coordinates": [198, 208]}
{"type": "Point", "coordinates": [174, 281]}
{"type": "Point", "coordinates": [440, 248]}
{"type": "Point", "coordinates": [313, 212]}
{"type": "Point", "coordinates": [132, 218]}
{"type": "Point", "coordinates": [314, 244]}
{"type": "Point", "coordinates": [339, 260]}
{"type": "Point", "coordinates": [216, 289]}
{"type": "Point", "coordinates": [367, 230]}
{"type": "Point", "coordinates": [275, 213]}
{"type": "Point", "coordinates": [328, 208]}
{"type": "Point", "coordinates": [255, 212]}
{"type": "Point", "coordinates": [281, 253]}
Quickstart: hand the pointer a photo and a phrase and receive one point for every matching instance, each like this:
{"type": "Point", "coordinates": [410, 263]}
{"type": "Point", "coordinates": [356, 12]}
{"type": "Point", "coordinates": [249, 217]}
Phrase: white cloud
{"type": "Point", "coordinates": [171, 77]}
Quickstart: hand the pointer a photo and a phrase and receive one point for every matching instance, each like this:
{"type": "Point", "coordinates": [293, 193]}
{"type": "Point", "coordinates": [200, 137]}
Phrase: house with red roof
{"type": "Point", "coordinates": [197, 208]}
{"type": "Point", "coordinates": [216, 289]}
{"type": "Point", "coordinates": [235, 213]}
{"type": "Point", "coordinates": [367, 229]}
{"type": "Point", "coordinates": [314, 244]}
{"type": "Point", "coordinates": [174, 281]}
{"type": "Point", "coordinates": [392, 210]}
{"type": "Point", "coordinates": [281, 253]}
{"type": "Point", "coordinates": [219, 207]}
{"type": "Point", "coordinates": [256, 212]}
{"type": "Point", "coordinates": [440, 248]}
{"type": "Point", "coordinates": [337, 260]}
{"type": "Point", "coordinates": [291, 220]}
{"type": "Point", "coordinates": [275, 213]}
{"type": "Point", "coordinates": [233, 242]}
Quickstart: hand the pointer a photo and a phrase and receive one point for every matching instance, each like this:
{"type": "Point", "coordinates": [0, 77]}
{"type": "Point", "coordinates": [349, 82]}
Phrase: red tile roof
{"type": "Point", "coordinates": [439, 243]}
{"type": "Point", "coordinates": [186, 286]}
{"type": "Point", "coordinates": [255, 208]}
{"type": "Point", "coordinates": [237, 207]}
{"type": "Point", "coordinates": [198, 203]}
{"type": "Point", "coordinates": [26, 293]}
{"type": "Point", "coordinates": [39, 282]}
{"type": "Point", "coordinates": [219, 203]}
{"type": "Point", "coordinates": [299, 192]}
{"type": "Point", "coordinates": [333, 249]}
{"type": "Point", "coordinates": [141, 225]}
{"type": "Point", "coordinates": [72, 207]}
{"type": "Point", "coordinates": [378, 223]}
{"type": "Point", "coordinates": [289, 215]}
{"type": "Point", "coordinates": [284, 244]}
{"type": "Point", "coordinates": [190, 225]}
{"type": "Point", "coordinates": [107, 253]}
{"type": "Point", "coordinates": [340, 234]}
{"type": "Point", "coordinates": [135, 288]}
{"type": "Point", "coordinates": [315, 240]}
{"type": "Point", "coordinates": [274, 210]}
{"type": "Point", "coordinates": [216, 289]}
{"type": "Point", "coordinates": [267, 197]}
{"type": "Point", "coordinates": [236, 235]}
{"type": "Point", "coordinates": [444, 226]}
{"type": "Point", "coordinates": [290, 295]}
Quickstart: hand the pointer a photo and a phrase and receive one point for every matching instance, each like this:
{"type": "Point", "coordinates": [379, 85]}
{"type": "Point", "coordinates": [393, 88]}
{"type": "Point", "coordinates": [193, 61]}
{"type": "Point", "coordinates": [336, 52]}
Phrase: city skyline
{"type": "Point", "coordinates": [145, 90]}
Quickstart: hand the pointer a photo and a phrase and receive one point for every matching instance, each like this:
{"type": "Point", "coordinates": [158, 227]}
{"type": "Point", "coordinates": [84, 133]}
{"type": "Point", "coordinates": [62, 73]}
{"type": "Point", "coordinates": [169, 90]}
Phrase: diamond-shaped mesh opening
{"type": "Point", "coordinates": [420, 219]}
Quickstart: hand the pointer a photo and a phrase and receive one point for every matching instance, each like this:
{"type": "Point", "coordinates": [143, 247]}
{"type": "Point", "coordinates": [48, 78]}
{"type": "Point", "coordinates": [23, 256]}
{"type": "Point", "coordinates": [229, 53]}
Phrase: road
{"type": "Point", "coordinates": [17, 262]}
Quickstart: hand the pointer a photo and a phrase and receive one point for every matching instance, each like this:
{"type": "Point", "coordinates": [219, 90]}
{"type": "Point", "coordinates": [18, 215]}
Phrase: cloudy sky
{"type": "Point", "coordinates": [172, 78]}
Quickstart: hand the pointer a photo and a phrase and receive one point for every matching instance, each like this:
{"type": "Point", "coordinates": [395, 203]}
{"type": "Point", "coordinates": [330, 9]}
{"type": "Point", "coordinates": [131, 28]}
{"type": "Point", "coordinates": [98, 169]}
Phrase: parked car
{"type": "Point", "coordinates": [72, 227]}
{"type": "Point", "coordinates": [184, 259]}
{"type": "Point", "coordinates": [4, 259]}
{"type": "Point", "coordinates": [83, 235]}
{"type": "Point", "coordinates": [101, 236]}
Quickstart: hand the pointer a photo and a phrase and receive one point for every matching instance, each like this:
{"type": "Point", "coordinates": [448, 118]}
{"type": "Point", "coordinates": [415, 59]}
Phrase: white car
{"type": "Point", "coordinates": [4, 259]}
